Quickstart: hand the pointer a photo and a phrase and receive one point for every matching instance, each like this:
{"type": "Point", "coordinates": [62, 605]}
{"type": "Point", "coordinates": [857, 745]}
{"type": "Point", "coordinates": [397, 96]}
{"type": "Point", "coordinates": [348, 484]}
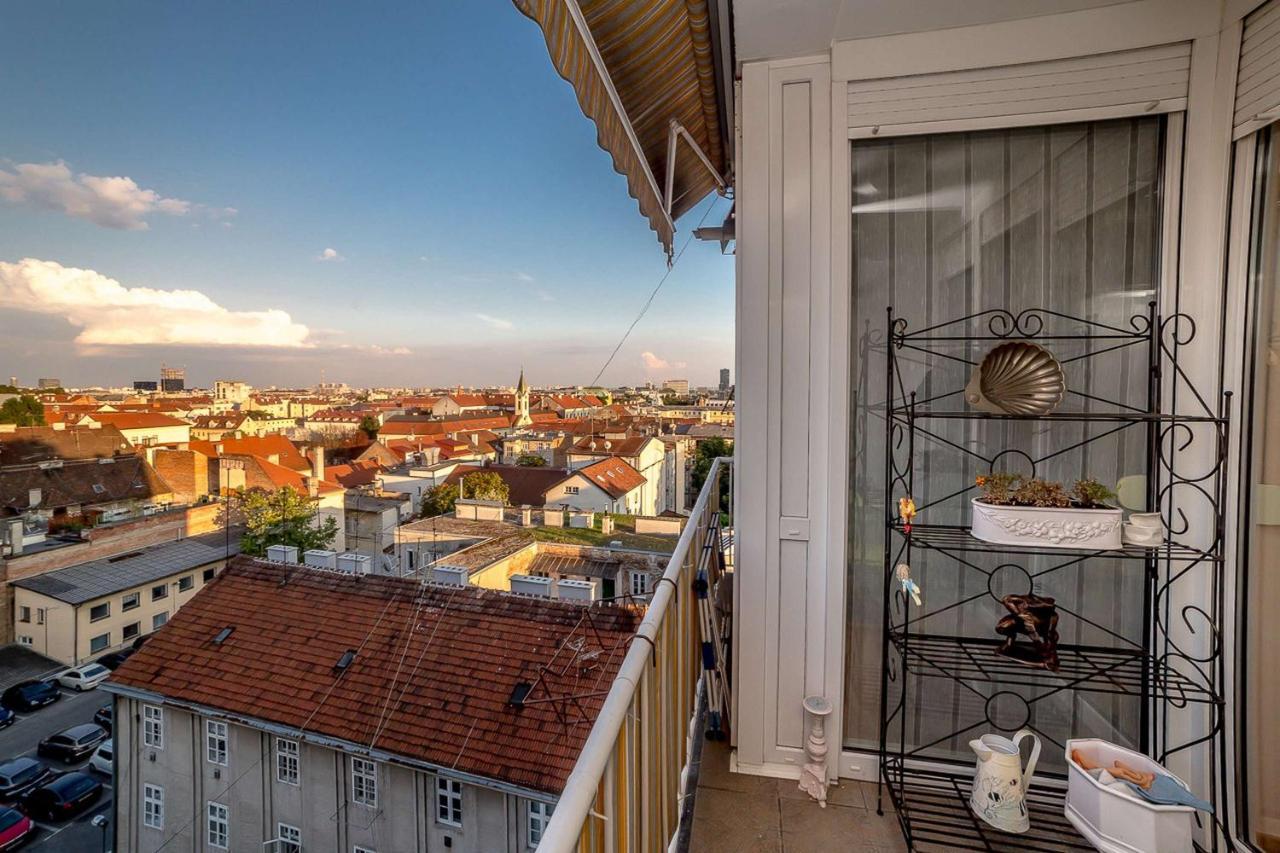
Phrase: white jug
{"type": "Point", "coordinates": [1000, 783]}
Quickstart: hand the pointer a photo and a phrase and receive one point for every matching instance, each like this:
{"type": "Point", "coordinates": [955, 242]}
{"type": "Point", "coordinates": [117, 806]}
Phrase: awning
{"type": "Point", "coordinates": [638, 66]}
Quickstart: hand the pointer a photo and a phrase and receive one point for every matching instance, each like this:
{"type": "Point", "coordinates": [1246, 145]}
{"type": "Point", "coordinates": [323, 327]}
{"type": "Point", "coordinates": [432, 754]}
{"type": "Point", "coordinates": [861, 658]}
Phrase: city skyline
{"type": "Point", "coordinates": [223, 216]}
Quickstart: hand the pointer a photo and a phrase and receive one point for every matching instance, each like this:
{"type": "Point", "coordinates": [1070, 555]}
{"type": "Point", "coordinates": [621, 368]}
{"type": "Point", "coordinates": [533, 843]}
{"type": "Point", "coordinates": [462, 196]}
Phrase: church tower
{"type": "Point", "coordinates": [522, 418]}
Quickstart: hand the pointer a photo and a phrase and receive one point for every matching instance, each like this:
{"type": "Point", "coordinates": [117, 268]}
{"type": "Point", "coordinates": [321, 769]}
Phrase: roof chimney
{"type": "Point", "coordinates": [531, 585]}
{"type": "Point", "coordinates": [317, 462]}
{"type": "Point", "coordinates": [34, 496]}
{"type": "Point", "coordinates": [283, 554]}
{"type": "Point", "coordinates": [451, 575]}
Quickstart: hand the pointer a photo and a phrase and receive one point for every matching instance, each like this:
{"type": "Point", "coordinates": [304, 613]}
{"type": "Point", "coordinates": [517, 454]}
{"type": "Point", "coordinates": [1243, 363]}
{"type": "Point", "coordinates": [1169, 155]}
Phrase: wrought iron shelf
{"type": "Point", "coordinates": [1087, 669]}
{"type": "Point", "coordinates": [933, 809]}
{"type": "Point", "coordinates": [903, 409]}
{"type": "Point", "coordinates": [956, 539]}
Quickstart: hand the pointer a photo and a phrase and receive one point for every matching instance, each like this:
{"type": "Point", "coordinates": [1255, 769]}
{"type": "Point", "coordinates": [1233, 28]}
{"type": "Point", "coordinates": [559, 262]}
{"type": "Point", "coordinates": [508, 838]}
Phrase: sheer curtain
{"type": "Point", "coordinates": [1066, 218]}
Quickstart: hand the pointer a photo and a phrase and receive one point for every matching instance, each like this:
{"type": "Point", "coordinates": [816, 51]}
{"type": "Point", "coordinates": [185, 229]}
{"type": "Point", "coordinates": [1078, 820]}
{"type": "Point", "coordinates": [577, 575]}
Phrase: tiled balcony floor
{"type": "Point", "coordinates": [736, 813]}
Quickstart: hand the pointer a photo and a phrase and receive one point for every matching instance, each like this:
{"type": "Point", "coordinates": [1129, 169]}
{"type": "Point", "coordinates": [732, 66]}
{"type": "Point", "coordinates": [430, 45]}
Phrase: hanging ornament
{"type": "Point", "coordinates": [907, 512]}
{"type": "Point", "coordinates": [909, 586]}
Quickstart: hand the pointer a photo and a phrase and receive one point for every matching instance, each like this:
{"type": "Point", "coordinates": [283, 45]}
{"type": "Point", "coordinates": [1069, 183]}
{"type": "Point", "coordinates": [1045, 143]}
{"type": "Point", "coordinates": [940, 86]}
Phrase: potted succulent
{"type": "Point", "coordinates": [1017, 510]}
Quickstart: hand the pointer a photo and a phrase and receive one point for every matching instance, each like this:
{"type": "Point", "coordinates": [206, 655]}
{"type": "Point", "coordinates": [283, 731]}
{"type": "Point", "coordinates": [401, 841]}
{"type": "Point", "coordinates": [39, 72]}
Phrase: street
{"type": "Point", "coordinates": [21, 738]}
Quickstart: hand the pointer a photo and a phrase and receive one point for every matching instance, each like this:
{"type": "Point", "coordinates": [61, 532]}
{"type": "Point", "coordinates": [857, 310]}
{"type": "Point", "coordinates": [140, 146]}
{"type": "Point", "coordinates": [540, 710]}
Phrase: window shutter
{"type": "Point", "coordinates": [1108, 85]}
{"type": "Point", "coordinates": [1258, 80]}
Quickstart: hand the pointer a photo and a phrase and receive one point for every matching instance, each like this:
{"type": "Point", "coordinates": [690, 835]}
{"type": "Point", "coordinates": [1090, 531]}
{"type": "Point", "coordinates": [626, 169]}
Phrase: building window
{"type": "Point", "coordinates": [131, 630]}
{"type": "Point", "coordinates": [449, 801]}
{"type": "Point", "coordinates": [24, 614]}
{"type": "Point", "coordinates": [186, 582]}
{"type": "Point", "coordinates": [359, 849]}
{"type": "Point", "coordinates": [153, 726]}
{"type": "Point", "coordinates": [98, 643]}
{"type": "Point", "coordinates": [39, 615]}
{"type": "Point", "coordinates": [159, 592]}
{"type": "Point", "coordinates": [25, 641]}
{"type": "Point", "coordinates": [158, 620]}
{"type": "Point", "coordinates": [131, 601]}
{"type": "Point", "coordinates": [639, 583]}
{"type": "Point", "coordinates": [215, 739]}
{"type": "Point", "coordinates": [539, 817]}
{"type": "Point", "coordinates": [570, 490]}
{"type": "Point", "coordinates": [219, 826]}
{"type": "Point", "coordinates": [290, 838]}
{"type": "Point", "coordinates": [208, 574]}
{"type": "Point", "coordinates": [287, 761]}
{"type": "Point", "coordinates": [153, 806]}
{"type": "Point", "coordinates": [364, 782]}
{"type": "Point", "coordinates": [100, 611]}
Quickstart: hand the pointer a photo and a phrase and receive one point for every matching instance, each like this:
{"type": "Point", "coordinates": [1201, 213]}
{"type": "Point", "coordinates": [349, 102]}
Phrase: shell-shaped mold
{"type": "Point", "coordinates": [1017, 378]}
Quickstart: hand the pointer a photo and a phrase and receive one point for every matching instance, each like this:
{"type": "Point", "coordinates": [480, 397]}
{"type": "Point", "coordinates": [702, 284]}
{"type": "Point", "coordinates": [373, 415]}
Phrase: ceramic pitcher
{"type": "Point", "coordinates": [1000, 783]}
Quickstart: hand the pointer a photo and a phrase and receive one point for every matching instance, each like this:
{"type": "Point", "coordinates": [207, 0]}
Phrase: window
{"type": "Point", "coordinates": [287, 761]}
{"type": "Point", "coordinates": [364, 782]}
{"type": "Point", "coordinates": [131, 630]}
{"type": "Point", "coordinates": [539, 817]}
{"type": "Point", "coordinates": [98, 643]}
{"type": "Point", "coordinates": [570, 490]}
{"type": "Point", "coordinates": [208, 575]}
{"type": "Point", "coordinates": [449, 801]}
{"type": "Point", "coordinates": [25, 641]}
{"type": "Point", "coordinates": [186, 582]}
{"type": "Point", "coordinates": [100, 611]}
{"type": "Point", "coordinates": [359, 849]}
{"type": "Point", "coordinates": [215, 740]}
{"type": "Point", "coordinates": [159, 591]}
{"type": "Point", "coordinates": [290, 838]}
{"type": "Point", "coordinates": [219, 825]}
{"type": "Point", "coordinates": [39, 615]}
{"type": "Point", "coordinates": [153, 726]}
{"type": "Point", "coordinates": [24, 614]}
{"type": "Point", "coordinates": [639, 583]}
{"type": "Point", "coordinates": [153, 806]}
{"type": "Point", "coordinates": [131, 601]}
{"type": "Point", "coordinates": [158, 620]}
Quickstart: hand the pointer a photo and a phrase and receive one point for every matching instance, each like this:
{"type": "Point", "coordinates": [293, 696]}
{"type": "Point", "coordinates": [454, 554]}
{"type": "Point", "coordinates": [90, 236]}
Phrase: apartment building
{"type": "Point", "coordinates": [644, 453]}
{"type": "Point", "coordinates": [303, 727]}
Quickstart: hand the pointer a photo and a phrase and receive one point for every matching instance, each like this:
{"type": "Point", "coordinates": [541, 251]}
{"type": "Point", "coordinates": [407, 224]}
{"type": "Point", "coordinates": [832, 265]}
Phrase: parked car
{"type": "Point", "coordinates": [101, 760]}
{"type": "Point", "coordinates": [84, 677]}
{"type": "Point", "coordinates": [15, 829]}
{"type": "Point", "coordinates": [112, 660]}
{"type": "Point", "coordinates": [73, 744]}
{"type": "Point", "coordinates": [7, 717]}
{"type": "Point", "coordinates": [102, 717]}
{"type": "Point", "coordinates": [20, 775]}
{"type": "Point", "coordinates": [138, 643]}
{"type": "Point", "coordinates": [64, 797]}
{"type": "Point", "coordinates": [30, 695]}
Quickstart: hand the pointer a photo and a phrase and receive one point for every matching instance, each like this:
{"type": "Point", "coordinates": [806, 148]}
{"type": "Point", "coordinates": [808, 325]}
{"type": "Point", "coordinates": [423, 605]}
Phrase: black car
{"type": "Point", "coordinates": [30, 695]}
{"type": "Point", "coordinates": [7, 717]}
{"type": "Point", "coordinates": [64, 797]}
{"type": "Point", "coordinates": [102, 717]}
{"type": "Point", "coordinates": [20, 775]}
{"type": "Point", "coordinates": [112, 660]}
{"type": "Point", "coordinates": [73, 744]}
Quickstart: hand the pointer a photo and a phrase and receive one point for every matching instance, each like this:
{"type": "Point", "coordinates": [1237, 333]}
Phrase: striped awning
{"type": "Point", "coordinates": [638, 65]}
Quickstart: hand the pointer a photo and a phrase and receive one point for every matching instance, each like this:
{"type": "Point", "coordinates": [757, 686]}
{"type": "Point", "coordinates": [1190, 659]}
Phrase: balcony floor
{"type": "Point", "coordinates": [735, 813]}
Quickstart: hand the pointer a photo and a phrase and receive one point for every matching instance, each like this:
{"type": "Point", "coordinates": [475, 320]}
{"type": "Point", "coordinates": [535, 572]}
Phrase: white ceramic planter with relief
{"type": "Point", "coordinates": [1047, 527]}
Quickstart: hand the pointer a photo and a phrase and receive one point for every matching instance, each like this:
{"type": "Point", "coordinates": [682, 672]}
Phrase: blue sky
{"type": "Point", "coordinates": [430, 146]}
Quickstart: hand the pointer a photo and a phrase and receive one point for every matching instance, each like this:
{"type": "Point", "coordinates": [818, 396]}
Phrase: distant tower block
{"type": "Point", "coordinates": [522, 418]}
{"type": "Point", "coordinates": [724, 379]}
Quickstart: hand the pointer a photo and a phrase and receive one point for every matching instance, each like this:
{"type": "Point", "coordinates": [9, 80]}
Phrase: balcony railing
{"type": "Point", "coordinates": [626, 791]}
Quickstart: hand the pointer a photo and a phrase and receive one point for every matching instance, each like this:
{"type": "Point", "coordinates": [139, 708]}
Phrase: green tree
{"type": "Point", "coordinates": [440, 500]}
{"type": "Point", "coordinates": [706, 454]}
{"type": "Point", "coordinates": [369, 426]}
{"type": "Point", "coordinates": [282, 517]}
{"type": "Point", "coordinates": [531, 460]}
{"type": "Point", "coordinates": [23, 411]}
{"type": "Point", "coordinates": [486, 486]}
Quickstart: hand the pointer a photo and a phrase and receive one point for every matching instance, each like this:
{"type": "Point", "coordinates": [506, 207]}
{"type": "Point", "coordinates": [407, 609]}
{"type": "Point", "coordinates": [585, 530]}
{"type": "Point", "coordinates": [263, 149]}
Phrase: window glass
{"type": "Point", "coordinates": [159, 591]}
{"type": "Point", "coordinates": [290, 838]}
{"type": "Point", "coordinates": [364, 782]}
{"type": "Point", "coordinates": [131, 630]}
{"type": "Point", "coordinates": [130, 601]}
{"type": "Point", "coordinates": [449, 801]}
{"type": "Point", "coordinates": [539, 817]}
{"type": "Point", "coordinates": [158, 620]}
{"type": "Point", "coordinates": [98, 643]}
{"type": "Point", "coordinates": [100, 611]}
{"type": "Point", "coordinates": [287, 761]}
{"type": "Point", "coordinates": [216, 741]}
{"type": "Point", "coordinates": [153, 726]}
{"type": "Point", "coordinates": [186, 582]}
{"type": "Point", "coordinates": [153, 806]}
{"type": "Point", "coordinates": [219, 826]}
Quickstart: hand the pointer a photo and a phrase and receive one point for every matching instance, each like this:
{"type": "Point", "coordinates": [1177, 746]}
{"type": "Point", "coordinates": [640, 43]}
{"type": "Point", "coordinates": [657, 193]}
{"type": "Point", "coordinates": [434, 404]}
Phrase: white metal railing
{"type": "Point", "coordinates": [626, 790]}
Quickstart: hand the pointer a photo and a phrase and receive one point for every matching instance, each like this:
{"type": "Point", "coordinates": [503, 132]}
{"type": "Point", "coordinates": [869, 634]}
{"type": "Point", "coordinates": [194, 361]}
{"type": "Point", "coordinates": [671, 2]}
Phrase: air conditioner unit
{"type": "Point", "coordinates": [531, 585]}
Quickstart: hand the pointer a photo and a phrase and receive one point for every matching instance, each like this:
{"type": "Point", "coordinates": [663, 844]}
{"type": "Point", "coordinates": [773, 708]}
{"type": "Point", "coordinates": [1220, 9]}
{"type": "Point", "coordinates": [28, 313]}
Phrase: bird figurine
{"type": "Point", "coordinates": [907, 512]}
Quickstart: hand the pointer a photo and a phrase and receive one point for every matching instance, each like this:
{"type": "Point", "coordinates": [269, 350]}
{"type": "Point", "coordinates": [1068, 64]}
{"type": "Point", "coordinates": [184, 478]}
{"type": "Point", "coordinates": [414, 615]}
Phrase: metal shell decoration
{"type": "Point", "coordinates": [1017, 378]}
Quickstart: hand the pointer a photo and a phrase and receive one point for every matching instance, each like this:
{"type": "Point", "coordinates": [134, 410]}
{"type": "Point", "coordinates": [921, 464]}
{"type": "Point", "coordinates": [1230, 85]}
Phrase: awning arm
{"type": "Point", "coordinates": [675, 132]}
{"type": "Point", "coordinates": [584, 32]}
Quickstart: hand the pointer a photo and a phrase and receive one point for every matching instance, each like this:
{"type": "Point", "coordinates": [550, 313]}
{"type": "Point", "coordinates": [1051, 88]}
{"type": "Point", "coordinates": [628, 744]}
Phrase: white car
{"type": "Point", "coordinates": [101, 760]}
{"type": "Point", "coordinates": [84, 677]}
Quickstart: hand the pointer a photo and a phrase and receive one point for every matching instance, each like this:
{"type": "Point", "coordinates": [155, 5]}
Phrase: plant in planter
{"type": "Point", "coordinates": [1017, 510]}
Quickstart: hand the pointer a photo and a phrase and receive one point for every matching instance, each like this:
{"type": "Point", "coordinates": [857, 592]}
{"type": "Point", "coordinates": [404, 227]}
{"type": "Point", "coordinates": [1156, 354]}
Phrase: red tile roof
{"type": "Point", "coordinates": [136, 420]}
{"type": "Point", "coordinates": [265, 446]}
{"type": "Point", "coordinates": [468, 647]}
{"type": "Point", "coordinates": [353, 475]}
{"type": "Point", "coordinates": [525, 484]}
{"type": "Point", "coordinates": [413, 426]}
{"type": "Point", "coordinates": [614, 475]}
{"type": "Point", "coordinates": [628, 446]}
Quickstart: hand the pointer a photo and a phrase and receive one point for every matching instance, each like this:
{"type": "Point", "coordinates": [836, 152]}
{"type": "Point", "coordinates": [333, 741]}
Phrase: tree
{"type": "Point", "coordinates": [531, 460]}
{"type": "Point", "coordinates": [486, 486]}
{"type": "Point", "coordinates": [369, 426]}
{"type": "Point", "coordinates": [23, 411]}
{"type": "Point", "coordinates": [283, 517]}
{"type": "Point", "coordinates": [706, 454]}
{"type": "Point", "coordinates": [440, 500]}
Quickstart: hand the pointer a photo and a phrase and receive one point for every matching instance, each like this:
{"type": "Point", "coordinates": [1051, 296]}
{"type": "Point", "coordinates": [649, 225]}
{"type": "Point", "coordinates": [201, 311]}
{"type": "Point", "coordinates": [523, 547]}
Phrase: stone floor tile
{"type": "Point", "coordinates": [727, 821]}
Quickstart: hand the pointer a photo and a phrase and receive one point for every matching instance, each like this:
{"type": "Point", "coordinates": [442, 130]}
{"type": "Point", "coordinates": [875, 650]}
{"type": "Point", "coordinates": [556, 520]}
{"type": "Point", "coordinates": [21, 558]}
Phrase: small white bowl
{"type": "Point", "coordinates": [1147, 520]}
{"type": "Point", "coordinates": [1144, 536]}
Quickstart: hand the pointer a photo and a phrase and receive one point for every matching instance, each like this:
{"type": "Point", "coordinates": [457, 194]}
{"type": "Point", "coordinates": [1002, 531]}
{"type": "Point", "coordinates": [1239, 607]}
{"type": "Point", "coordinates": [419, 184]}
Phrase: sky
{"type": "Point", "coordinates": [380, 194]}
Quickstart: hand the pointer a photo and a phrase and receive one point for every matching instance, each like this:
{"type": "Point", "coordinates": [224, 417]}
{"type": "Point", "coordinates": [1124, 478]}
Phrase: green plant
{"type": "Point", "coordinates": [283, 517]}
{"type": "Point", "coordinates": [531, 460]}
{"type": "Point", "coordinates": [440, 500]}
{"type": "Point", "coordinates": [1041, 493]}
{"type": "Point", "coordinates": [1004, 489]}
{"type": "Point", "coordinates": [998, 488]}
{"type": "Point", "coordinates": [23, 411]}
{"type": "Point", "coordinates": [1090, 494]}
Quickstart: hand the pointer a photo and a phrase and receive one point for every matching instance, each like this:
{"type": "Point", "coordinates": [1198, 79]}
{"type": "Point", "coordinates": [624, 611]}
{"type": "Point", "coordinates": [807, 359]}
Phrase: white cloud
{"type": "Point", "coordinates": [330, 255]}
{"type": "Point", "coordinates": [525, 277]}
{"type": "Point", "coordinates": [653, 362]}
{"type": "Point", "coordinates": [495, 322]}
{"type": "Point", "coordinates": [377, 350]}
{"type": "Point", "coordinates": [545, 296]}
{"type": "Point", "coordinates": [110, 314]}
{"type": "Point", "coordinates": [112, 202]}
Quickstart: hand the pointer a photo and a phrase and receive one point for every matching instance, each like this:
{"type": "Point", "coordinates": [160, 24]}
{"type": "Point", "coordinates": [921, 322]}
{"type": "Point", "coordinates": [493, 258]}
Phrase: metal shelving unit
{"type": "Point", "coordinates": [1181, 581]}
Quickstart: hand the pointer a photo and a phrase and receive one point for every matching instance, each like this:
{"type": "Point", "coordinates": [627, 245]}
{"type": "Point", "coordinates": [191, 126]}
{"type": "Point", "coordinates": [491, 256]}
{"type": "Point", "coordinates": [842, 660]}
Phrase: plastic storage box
{"type": "Point", "coordinates": [1118, 823]}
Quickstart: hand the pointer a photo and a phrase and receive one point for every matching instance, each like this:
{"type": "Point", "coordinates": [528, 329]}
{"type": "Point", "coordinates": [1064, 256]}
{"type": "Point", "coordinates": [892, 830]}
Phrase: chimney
{"type": "Point", "coordinates": [606, 524]}
{"type": "Point", "coordinates": [282, 554]}
{"type": "Point", "coordinates": [451, 575]}
{"type": "Point", "coordinates": [15, 537]}
{"type": "Point", "coordinates": [526, 516]}
{"type": "Point", "coordinates": [34, 496]}
{"type": "Point", "coordinates": [571, 590]}
{"type": "Point", "coordinates": [318, 558]}
{"type": "Point", "coordinates": [317, 463]}
{"type": "Point", "coordinates": [531, 585]}
{"type": "Point", "coordinates": [355, 564]}
{"type": "Point", "coordinates": [218, 448]}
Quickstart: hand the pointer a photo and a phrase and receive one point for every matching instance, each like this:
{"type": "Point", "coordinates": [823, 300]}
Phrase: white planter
{"type": "Point", "coordinates": [1115, 822]}
{"type": "Point", "coordinates": [1047, 527]}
